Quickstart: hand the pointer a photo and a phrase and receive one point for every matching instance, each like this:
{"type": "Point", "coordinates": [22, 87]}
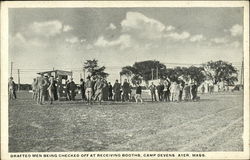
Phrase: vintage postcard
{"type": "Point", "coordinates": [125, 80]}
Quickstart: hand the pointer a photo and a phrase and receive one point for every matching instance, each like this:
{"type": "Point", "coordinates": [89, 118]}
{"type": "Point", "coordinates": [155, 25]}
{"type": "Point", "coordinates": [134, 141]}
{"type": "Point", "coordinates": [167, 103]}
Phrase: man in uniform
{"type": "Point", "coordinates": [50, 89]}
{"type": "Point", "coordinates": [117, 91]}
{"type": "Point", "coordinates": [110, 91]}
{"type": "Point", "coordinates": [152, 89]}
{"type": "Point", "coordinates": [12, 88]}
{"type": "Point", "coordinates": [125, 90]}
{"type": "Point", "coordinates": [99, 86]}
{"type": "Point", "coordinates": [82, 88]}
{"type": "Point", "coordinates": [42, 87]}
{"type": "Point", "coordinates": [34, 89]}
{"type": "Point", "coordinates": [89, 90]}
{"type": "Point", "coordinates": [72, 89]}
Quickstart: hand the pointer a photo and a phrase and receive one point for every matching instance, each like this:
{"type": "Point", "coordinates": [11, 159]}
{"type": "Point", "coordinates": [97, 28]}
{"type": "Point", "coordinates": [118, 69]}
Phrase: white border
{"type": "Point", "coordinates": [103, 4]}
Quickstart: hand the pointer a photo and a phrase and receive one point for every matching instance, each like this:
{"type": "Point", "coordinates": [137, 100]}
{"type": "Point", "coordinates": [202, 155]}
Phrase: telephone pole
{"type": "Point", "coordinates": [152, 70]}
{"type": "Point", "coordinates": [242, 73]}
{"type": "Point", "coordinates": [84, 73]}
{"type": "Point", "coordinates": [11, 68]}
{"type": "Point", "coordinates": [18, 72]}
{"type": "Point", "coordinates": [157, 72]}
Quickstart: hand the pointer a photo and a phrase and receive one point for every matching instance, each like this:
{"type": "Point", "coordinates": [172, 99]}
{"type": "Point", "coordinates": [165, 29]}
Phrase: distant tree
{"type": "Point", "coordinates": [131, 73]}
{"type": "Point", "coordinates": [144, 69]}
{"type": "Point", "coordinates": [220, 71]}
{"type": "Point", "coordinates": [136, 79]}
{"type": "Point", "coordinates": [195, 73]}
{"type": "Point", "coordinates": [128, 71]}
{"type": "Point", "coordinates": [93, 68]}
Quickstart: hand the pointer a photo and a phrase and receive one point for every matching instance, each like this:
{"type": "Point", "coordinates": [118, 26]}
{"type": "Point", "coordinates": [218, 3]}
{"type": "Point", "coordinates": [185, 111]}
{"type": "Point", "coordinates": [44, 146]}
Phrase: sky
{"type": "Point", "coordinates": [63, 38]}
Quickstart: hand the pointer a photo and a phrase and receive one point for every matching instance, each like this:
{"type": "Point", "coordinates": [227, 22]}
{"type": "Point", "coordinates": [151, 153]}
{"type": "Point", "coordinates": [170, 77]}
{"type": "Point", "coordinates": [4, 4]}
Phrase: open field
{"type": "Point", "coordinates": [215, 123]}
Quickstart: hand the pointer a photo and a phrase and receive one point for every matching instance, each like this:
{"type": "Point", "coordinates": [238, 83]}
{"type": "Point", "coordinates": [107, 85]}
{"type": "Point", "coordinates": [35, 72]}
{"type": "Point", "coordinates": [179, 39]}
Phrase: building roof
{"type": "Point", "coordinates": [58, 72]}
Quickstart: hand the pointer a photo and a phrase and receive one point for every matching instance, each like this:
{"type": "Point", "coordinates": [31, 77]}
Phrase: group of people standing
{"type": "Point", "coordinates": [46, 88]}
{"type": "Point", "coordinates": [97, 88]}
{"type": "Point", "coordinates": [171, 91]}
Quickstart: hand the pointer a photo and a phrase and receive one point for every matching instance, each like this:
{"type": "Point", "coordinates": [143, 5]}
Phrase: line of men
{"type": "Point", "coordinates": [48, 89]}
{"type": "Point", "coordinates": [97, 88]}
{"type": "Point", "coordinates": [174, 91]}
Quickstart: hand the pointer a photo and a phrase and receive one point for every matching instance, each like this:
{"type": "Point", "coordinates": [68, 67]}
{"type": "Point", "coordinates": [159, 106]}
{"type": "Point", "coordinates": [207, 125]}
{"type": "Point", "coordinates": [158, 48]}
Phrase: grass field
{"type": "Point", "coordinates": [215, 123]}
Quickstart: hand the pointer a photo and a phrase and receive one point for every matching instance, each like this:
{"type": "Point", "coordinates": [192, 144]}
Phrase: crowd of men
{"type": "Point", "coordinates": [174, 91]}
{"type": "Point", "coordinates": [96, 88]}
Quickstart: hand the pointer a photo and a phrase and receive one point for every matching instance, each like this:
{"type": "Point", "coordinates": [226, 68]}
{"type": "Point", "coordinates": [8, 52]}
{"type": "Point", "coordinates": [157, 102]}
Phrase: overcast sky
{"type": "Point", "coordinates": [41, 39]}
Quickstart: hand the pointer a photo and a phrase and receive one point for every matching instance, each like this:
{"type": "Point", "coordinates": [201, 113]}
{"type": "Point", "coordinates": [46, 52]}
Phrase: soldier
{"type": "Point", "coordinates": [152, 89]}
{"type": "Point", "coordinates": [46, 92]}
{"type": "Point", "coordinates": [72, 89]}
{"type": "Point", "coordinates": [51, 89]}
{"type": "Point", "coordinates": [99, 86]}
{"type": "Point", "coordinates": [166, 91]}
{"type": "Point", "coordinates": [42, 83]}
{"type": "Point", "coordinates": [89, 90]}
{"type": "Point", "coordinates": [138, 93]}
{"type": "Point", "coordinates": [110, 91]}
{"type": "Point", "coordinates": [34, 89]}
{"type": "Point", "coordinates": [194, 91]}
{"type": "Point", "coordinates": [11, 87]}
{"type": "Point", "coordinates": [67, 90]}
{"type": "Point", "coordinates": [82, 88]}
{"type": "Point", "coordinates": [117, 91]}
{"type": "Point", "coordinates": [125, 90]}
{"type": "Point", "coordinates": [160, 89]}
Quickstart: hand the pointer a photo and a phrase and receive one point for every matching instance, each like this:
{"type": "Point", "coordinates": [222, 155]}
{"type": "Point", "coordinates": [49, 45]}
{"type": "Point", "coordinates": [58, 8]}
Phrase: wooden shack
{"type": "Point", "coordinates": [61, 78]}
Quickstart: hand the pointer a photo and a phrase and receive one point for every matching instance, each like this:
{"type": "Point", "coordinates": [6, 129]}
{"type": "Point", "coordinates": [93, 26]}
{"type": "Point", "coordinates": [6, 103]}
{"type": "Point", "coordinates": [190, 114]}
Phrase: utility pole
{"type": "Point", "coordinates": [157, 72]}
{"type": "Point", "coordinates": [242, 73]}
{"type": "Point", "coordinates": [11, 68]}
{"type": "Point", "coordinates": [80, 76]}
{"type": "Point", "coordinates": [18, 72]}
{"type": "Point", "coordinates": [84, 73]}
{"type": "Point", "coordinates": [152, 70]}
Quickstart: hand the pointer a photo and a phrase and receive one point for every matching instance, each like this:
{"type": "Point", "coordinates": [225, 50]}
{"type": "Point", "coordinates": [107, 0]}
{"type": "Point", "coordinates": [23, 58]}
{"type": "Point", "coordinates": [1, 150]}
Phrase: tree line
{"type": "Point", "coordinates": [216, 71]}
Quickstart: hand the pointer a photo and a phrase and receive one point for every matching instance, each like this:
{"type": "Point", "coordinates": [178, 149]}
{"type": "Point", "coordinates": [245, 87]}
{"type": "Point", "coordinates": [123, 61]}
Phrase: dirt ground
{"type": "Point", "coordinates": [215, 123]}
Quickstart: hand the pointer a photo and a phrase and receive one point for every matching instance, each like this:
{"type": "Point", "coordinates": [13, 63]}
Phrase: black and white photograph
{"type": "Point", "coordinates": [126, 80]}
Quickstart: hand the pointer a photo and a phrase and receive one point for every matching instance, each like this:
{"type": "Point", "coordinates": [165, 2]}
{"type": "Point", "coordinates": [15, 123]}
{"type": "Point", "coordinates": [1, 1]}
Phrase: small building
{"type": "Point", "coordinates": [61, 77]}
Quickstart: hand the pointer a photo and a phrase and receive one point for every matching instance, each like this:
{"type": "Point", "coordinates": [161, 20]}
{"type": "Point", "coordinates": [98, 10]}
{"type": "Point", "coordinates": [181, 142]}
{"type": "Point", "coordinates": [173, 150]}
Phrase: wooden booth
{"type": "Point", "coordinates": [61, 77]}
